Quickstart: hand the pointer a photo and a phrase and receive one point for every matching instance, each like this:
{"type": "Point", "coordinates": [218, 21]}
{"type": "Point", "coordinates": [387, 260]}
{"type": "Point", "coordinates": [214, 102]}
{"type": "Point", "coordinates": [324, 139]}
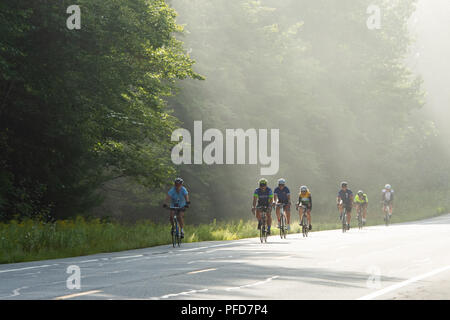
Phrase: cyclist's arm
{"type": "Point", "coordinates": [255, 198]}
{"type": "Point", "coordinates": [270, 202]}
{"type": "Point", "coordinates": [289, 198]}
{"type": "Point", "coordinates": [275, 198]}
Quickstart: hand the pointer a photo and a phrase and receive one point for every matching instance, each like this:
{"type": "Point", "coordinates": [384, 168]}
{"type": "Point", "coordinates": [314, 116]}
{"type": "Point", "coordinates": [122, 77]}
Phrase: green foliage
{"type": "Point", "coordinates": [79, 108]}
{"type": "Point", "coordinates": [29, 240]}
{"type": "Point", "coordinates": [344, 100]}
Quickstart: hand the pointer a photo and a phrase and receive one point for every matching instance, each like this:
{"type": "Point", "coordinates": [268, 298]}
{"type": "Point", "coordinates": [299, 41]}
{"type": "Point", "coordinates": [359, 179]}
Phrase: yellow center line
{"type": "Point", "coordinates": [77, 295]}
{"type": "Point", "coordinates": [204, 270]}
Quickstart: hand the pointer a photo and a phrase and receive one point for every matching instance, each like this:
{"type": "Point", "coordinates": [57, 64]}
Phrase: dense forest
{"type": "Point", "coordinates": [86, 116]}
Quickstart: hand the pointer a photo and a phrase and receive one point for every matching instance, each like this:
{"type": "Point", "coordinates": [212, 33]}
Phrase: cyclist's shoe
{"type": "Point", "coordinates": [182, 235]}
{"type": "Point", "coordinates": [348, 226]}
{"type": "Point", "coordinates": [268, 231]}
{"type": "Point", "coordinates": [340, 217]}
{"type": "Point", "coordinates": [310, 227]}
{"type": "Point", "coordinates": [288, 227]}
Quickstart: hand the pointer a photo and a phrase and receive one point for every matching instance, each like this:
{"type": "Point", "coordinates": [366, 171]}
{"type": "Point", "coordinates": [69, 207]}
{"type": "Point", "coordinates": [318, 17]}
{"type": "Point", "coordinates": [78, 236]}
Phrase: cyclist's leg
{"type": "Point", "coordinates": [349, 212]}
{"type": "Point", "coordinates": [277, 211]}
{"type": "Point", "coordinates": [172, 212]}
{"type": "Point", "coordinates": [287, 210]}
{"type": "Point", "coordinates": [269, 219]}
{"type": "Point", "coordinates": [341, 209]}
{"type": "Point", "coordinates": [390, 208]}
{"type": "Point", "coordinates": [258, 216]}
{"type": "Point", "coordinates": [357, 206]}
{"type": "Point", "coordinates": [365, 211]}
{"type": "Point", "coordinates": [181, 219]}
{"type": "Point", "coordinates": [308, 215]}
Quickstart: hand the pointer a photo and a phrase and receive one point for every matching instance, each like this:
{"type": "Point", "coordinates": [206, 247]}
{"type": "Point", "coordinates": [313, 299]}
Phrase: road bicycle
{"type": "Point", "coordinates": [344, 219]}
{"type": "Point", "coordinates": [283, 220]}
{"type": "Point", "coordinates": [387, 216]}
{"type": "Point", "coordinates": [304, 220]}
{"type": "Point", "coordinates": [175, 232]}
{"type": "Point", "coordinates": [263, 222]}
{"type": "Point", "coordinates": [360, 216]}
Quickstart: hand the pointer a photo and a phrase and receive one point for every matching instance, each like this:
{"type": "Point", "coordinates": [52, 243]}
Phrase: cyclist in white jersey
{"type": "Point", "coordinates": [387, 197]}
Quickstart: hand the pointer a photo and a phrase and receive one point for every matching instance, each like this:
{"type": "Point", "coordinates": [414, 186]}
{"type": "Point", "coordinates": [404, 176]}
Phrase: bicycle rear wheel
{"type": "Point", "coordinates": [262, 231]}
{"type": "Point", "coordinates": [174, 232]}
{"type": "Point", "coordinates": [305, 226]}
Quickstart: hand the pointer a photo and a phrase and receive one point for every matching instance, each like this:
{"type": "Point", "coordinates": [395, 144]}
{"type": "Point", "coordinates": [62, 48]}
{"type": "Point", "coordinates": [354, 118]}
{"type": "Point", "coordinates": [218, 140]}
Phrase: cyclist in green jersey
{"type": "Point", "coordinates": [361, 200]}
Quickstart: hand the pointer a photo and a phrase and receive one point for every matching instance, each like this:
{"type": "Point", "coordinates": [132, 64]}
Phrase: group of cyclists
{"type": "Point", "coordinates": [264, 198]}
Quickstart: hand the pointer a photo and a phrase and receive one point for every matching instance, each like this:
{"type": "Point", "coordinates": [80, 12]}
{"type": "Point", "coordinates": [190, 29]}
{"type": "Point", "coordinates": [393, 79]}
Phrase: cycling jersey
{"type": "Point", "coordinates": [346, 196]}
{"type": "Point", "coordinates": [264, 197]}
{"type": "Point", "coordinates": [282, 194]}
{"type": "Point", "coordinates": [387, 195]}
{"type": "Point", "coordinates": [177, 198]}
{"type": "Point", "coordinates": [362, 199]}
{"type": "Point", "coordinates": [305, 198]}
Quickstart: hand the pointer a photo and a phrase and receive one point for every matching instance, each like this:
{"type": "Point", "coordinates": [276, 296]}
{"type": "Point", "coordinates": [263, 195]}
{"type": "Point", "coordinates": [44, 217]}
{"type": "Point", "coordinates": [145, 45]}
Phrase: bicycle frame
{"type": "Point", "coordinates": [176, 232]}
{"type": "Point", "coordinates": [360, 215]}
{"type": "Point", "coordinates": [263, 231]}
{"type": "Point", "coordinates": [344, 219]}
{"type": "Point", "coordinates": [304, 221]}
{"type": "Point", "coordinates": [283, 220]}
{"type": "Point", "coordinates": [386, 210]}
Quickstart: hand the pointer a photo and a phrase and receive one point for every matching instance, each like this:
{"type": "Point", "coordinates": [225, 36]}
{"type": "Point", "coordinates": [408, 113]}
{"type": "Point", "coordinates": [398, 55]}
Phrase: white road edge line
{"type": "Point", "coordinates": [77, 294]}
{"type": "Point", "coordinates": [200, 271]}
{"type": "Point", "coordinates": [27, 268]}
{"type": "Point", "coordinates": [403, 283]}
{"type": "Point", "coordinates": [252, 284]}
{"type": "Point", "coordinates": [170, 295]}
{"type": "Point", "coordinates": [128, 257]}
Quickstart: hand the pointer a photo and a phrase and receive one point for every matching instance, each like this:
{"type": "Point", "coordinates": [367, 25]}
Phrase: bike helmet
{"type": "Point", "coordinates": [263, 182]}
{"type": "Point", "coordinates": [178, 181]}
{"type": "Point", "coordinates": [303, 189]}
{"type": "Point", "coordinates": [360, 193]}
{"type": "Point", "coordinates": [281, 181]}
{"type": "Point", "coordinates": [344, 184]}
{"type": "Point", "coordinates": [388, 186]}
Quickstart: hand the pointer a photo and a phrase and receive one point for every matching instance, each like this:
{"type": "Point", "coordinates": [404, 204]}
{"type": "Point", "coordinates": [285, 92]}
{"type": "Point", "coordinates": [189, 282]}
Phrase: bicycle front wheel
{"type": "Point", "coordinates": [305, 226]}
{"type": "Point", "coordinates": [344, 222]}
{"type": "Point", "coordinates": [282, 226]}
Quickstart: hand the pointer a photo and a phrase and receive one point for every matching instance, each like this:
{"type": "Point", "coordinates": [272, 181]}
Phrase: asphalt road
{"type": "Point", "coordinates": [402, 261]}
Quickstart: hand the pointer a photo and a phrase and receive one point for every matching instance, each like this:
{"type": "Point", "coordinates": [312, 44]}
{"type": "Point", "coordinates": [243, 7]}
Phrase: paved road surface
{"type": "Point", "coordinates": [402, 261]}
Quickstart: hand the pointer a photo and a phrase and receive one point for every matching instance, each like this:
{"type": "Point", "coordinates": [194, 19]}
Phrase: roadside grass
{"type": "Point", "coordinates": [30, 240]}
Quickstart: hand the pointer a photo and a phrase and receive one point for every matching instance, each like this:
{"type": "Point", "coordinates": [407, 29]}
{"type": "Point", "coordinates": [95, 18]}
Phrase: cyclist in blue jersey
{"type": "Point", "coordinates": [264, 196]}
{"type": "Point", "coordinates": [282, 195]}
{"type": "Point", "coordinates": [179, 198]}
{"type": "Point", "coordinates": [345, 199]}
